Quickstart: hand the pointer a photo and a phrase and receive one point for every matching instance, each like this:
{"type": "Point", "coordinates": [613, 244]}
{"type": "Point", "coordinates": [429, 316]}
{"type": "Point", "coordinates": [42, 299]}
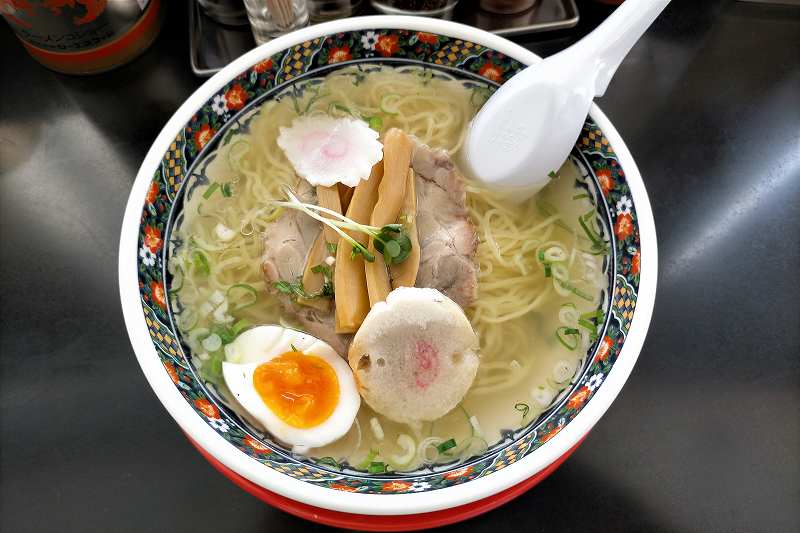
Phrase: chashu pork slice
{"type": "Point", "coordinates": [446, 235]}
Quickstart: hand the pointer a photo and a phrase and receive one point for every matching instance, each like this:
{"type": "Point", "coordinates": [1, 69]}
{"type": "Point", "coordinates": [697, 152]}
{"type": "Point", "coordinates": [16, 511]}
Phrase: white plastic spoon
{"type": "Point", "coordinates": [526, 130]}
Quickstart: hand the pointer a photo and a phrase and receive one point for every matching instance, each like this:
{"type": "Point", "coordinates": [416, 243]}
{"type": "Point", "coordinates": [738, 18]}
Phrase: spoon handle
{"type": "Point", "coordinates": [612, 40]}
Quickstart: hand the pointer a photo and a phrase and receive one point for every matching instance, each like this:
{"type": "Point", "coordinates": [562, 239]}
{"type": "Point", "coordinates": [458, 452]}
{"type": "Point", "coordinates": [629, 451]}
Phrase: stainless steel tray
{"type": "Point", "coordinates": [545, 15]}
{"type": "Point", "coordinates": [213, 45]}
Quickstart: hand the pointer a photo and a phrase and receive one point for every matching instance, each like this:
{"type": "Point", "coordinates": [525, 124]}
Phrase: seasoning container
{"type": "Point", "coordinates": [228, 12]}
{"type": "Point", "coordinates": [84, 37]}
{"type": "Point", "coordinates": [271, 18]}
{"type": "Point", "coordinates": [324, 10]}
{"type": "Point", "coordinates": [506, 7]}
{"type": "Point", "coordinates": [429, 8]}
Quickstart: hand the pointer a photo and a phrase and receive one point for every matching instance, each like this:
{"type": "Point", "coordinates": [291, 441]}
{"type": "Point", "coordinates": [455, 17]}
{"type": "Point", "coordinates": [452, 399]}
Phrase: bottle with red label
{"type": "Point", "coordinates": [84, 36]}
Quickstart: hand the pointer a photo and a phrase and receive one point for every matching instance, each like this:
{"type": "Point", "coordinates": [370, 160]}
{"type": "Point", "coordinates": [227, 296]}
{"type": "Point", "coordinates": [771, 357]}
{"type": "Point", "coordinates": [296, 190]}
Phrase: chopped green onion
{"type": "Point", "coordinates": [563, 333]}
{"type": "Point", "coordinates": [293, 289]}
{"type": "Point", "coordinates": [358, 77]}
{"type": "Point", "coordinates": [523, 408]}
{"type": "Point", "coordinates": [248, 289]}
{"type": "Point", "coordinates": [594, 251]}
{"type": "Point", "coordinates": [240, 325]}
{"type": "Point", "coordinates": [574, 290]}
{"type": "Point", "coordinates": [233, 161]}
{"type": "Point", "coordinates": [225, 334]}
{"type": "Point", "coordinates": [579, 196]}
{"type": "Point", "coordinates": [376, 467]}
{"type": "Point", "coordinates": [409, 447]}
{"type": "Point", "coordinates": [174, 289]}
{"type": "Point", "coordinates": [560, 271]}
{"type": "Point", "coordinates": [329, 461]}
{"type": "Point", "coordinates": [293, 347]}
{"type": "Point", "coordinates": [227, 138]}
{"type": "Point", "coordinates": [336, 106]}
{"type": "Point", "coordinates": [187, 319]}
{"type": "Point", "coordinates": [585, 322]}
{"type": "Point", "coordinates": [211, 189]}
{"type": "Point", "coordinates": [331, 246]}
{"type": "Point", "coordinates": [322, 268]}
{"type": "Point", "coordinates": [200, 262]}
{"type": "Point", "coordinates": [597, 241]}
{"type": "Point", "coordinates": [552, 259]}
{"type": "Point", "coordinates": [376, 123]}
{"type": "Point", "coordinates": [212, 343]}
{"type": "Point", "coordinates": [446, 445]}
{"type": "Point", "coordinates": [296, 289]}
{"type": "Point", "coordinates": [568, 314]}
{"type": "Point", "coordinates": [327, 289]}
{"type": "Point", "coordinates": [316, 94]}
{"type": "Point", "coordinates": [479, 96]}
{"type": "Point", "coordinates": [373, 453]}
{"type": "Point", "coordinates": [555, 254]}
{"type": "Point", "coordinates": [426, 76]}
{"type": "Point", "coordinates": [196, 337]}
{"type": "Point", "coordinates": [469, 450]}
{"type": "Point", "coordinates": [226, 190]}
{"type": "Point", "coordinates": [389, 104]}
{"type": "Point", "coordinates": [589, 231]}
{"type": "Point", "coordinates": [553, 174]}
{"type": "Point", "coordinates": [212, 369]}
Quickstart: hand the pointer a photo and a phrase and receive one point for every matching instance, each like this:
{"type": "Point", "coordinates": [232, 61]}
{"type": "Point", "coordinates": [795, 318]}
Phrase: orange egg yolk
{"type": "Point", "coordinates": [302, 390]}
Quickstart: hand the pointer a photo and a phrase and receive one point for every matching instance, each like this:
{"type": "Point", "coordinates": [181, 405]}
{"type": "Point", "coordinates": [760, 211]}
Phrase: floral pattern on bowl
{"type": "Point", "coordinates": [592, 153]}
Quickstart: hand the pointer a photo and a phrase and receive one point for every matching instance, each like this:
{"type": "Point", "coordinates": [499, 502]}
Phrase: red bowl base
{"type": "Point", "coordinates": [410, 522]}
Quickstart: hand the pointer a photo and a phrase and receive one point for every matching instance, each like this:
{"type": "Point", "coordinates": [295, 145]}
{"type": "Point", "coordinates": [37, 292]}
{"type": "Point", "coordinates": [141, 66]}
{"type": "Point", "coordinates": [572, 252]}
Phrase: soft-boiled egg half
{"type": "Point", "coordinates": [293, 384]}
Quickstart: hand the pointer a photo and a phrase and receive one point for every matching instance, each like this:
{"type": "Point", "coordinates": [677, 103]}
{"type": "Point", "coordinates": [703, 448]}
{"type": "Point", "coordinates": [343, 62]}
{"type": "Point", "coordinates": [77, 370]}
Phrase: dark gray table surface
{"type": "Point", "coordinates": [704, 437]}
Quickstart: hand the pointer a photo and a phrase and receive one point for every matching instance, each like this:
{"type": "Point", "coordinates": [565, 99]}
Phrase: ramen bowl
{"type": "Point", "coordinates": [388, 501]}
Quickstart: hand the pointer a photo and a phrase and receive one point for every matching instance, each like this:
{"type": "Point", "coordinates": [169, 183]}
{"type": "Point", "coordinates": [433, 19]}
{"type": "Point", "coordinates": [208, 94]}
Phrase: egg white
{"type": "Point", "coordinates": [263, 343]}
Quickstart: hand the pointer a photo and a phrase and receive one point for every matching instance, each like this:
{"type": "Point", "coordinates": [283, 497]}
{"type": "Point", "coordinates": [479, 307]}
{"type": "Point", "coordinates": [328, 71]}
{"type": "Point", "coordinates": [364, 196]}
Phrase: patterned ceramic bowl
{"type": "Point", "coordinates": [264, 467]}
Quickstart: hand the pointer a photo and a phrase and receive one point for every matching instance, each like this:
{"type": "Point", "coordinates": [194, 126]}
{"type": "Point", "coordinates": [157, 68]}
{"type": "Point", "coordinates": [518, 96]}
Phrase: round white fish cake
{"type": "Point", "coordinates": [415, 356]}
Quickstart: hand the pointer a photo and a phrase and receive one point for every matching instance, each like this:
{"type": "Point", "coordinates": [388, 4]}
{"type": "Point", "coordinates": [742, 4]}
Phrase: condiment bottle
{"type": "Point", "coordinates": [84, 36]}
